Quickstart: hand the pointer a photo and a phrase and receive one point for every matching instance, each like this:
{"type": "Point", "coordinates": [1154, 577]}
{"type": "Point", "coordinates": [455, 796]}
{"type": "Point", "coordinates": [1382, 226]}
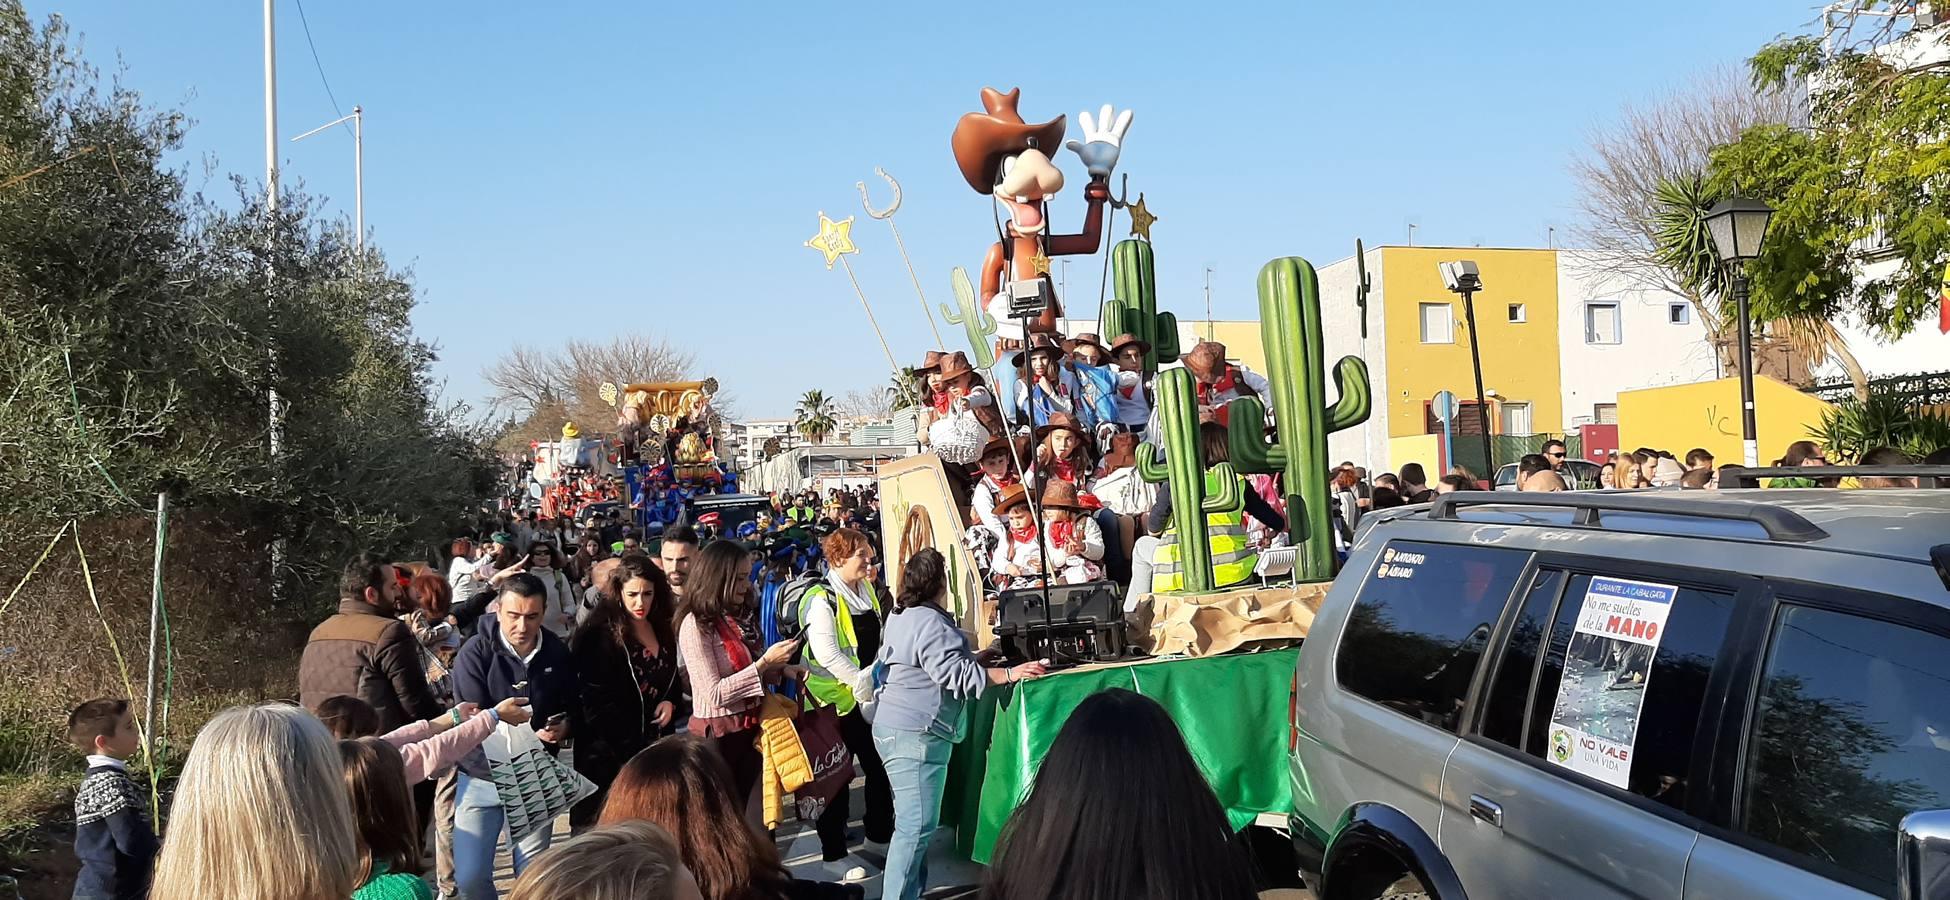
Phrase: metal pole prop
{"type": "Point", "coordinates": [1476, 362]}
{"type": "Point", "coordinates": [1749, 436]}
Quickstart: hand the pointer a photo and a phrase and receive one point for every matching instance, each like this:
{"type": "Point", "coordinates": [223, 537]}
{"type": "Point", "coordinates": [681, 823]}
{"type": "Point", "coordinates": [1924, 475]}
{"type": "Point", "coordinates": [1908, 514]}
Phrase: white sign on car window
{"type": "Point", "coordinates": [1596, 717]}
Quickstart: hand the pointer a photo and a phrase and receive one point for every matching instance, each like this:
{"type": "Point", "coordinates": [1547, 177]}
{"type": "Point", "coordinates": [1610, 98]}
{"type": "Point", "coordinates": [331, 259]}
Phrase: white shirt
{"type": "Point", "coordinates": [525, 660]}
{"type": "Point", "coordinates": [823, 629]}
{"type": "Point", "coordinates": [1132, 409]}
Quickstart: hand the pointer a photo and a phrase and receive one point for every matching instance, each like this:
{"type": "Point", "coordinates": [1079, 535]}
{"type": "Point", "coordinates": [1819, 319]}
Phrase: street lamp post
{"type": "Point", "coordinates": [1462, 277]}
{"type": "Point", "coordinates": [358, 119]}
{"type": "Point", "coordinates": [1738, 226]}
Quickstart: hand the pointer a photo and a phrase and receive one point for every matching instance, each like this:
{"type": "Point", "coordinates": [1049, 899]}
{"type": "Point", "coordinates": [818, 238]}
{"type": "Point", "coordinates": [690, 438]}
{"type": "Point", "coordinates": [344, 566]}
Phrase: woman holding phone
{"type": "Point", "coordinates": [727, 678]}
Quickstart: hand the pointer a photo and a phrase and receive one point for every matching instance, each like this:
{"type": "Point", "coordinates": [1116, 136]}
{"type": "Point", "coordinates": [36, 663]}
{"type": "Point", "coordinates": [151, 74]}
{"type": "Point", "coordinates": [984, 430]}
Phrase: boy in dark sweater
{"type": "Point", "coordinates": [113, 839]}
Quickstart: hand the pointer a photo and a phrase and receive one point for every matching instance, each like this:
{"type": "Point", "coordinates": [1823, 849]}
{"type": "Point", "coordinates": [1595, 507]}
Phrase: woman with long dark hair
{"type": "Point", "coordinates": [683, 786]}
{"type": "Point", "coordinates": [727, 677]}
{"type": "Point", "coordinates": [932, 671]}
{"type": "Point", "coordinates": [626, 657]}
{"type": "Point", "coordinates": [1081, 834]}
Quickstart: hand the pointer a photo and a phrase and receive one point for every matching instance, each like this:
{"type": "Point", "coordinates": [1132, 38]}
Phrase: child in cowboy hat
{"type": "Point", "coordinates": [1132, 396]}
{"type": "Point", "coordinates": [1076, 544]}
{"type": "Point", "coordinates": [1045, 388]}
{"type": "Point", "coordinates": [998, 467]}
{"type": "Point", "coordinates": [1220, 382]}
{"type": "Point", "coordinates": [1097, 381]}
{"type": "Point", "coordinates": [1018, 561]}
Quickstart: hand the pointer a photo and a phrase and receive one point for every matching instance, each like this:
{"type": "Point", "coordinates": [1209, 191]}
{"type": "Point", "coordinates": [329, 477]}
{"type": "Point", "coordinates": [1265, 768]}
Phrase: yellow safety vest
{"type": "Point", "coordinates": [820, 683]}
{"type": "Point", "coordinates": [1233, 557]}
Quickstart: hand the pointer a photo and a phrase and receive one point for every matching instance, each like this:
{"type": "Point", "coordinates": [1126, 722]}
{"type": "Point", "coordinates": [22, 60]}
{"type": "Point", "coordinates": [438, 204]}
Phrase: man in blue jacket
{"type": "Point", "coordinates": [510, 656]}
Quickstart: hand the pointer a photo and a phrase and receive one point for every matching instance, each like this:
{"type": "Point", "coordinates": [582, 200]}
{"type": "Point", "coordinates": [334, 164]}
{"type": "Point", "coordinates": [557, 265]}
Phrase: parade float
{"type": "Point", "coordinates": [1220, 661]}
{"type": "Point", "coordinates": [667, 449]}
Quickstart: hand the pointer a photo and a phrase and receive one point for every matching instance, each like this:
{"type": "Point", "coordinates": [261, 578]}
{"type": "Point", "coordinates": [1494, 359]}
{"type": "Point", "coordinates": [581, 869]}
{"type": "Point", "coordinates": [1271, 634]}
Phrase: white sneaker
{"type": "Point", "coordinates": [850, 869]}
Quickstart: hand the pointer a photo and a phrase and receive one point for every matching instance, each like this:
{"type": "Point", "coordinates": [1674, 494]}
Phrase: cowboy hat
{"type": "Point", "coordinates": [930, 363]}
{"type": "Point", "coordinates": [1065, 421]}
{"type": "Point", "coordinates": [1003, 442]}
{"type": "Point", "coordinates": [954, 365]}
{"type": "Point", "coordinates": [1118, 343]}
{"type": "Point", "coordinates": [982, 139]}
{"type": "Point", "coordinates": [1208, 359]}
{"type": "Point", "coordinates": [1038, 342]}
{"type": "Point", "coordinates": [1060, 494]}
{"type": "Point", "coordinates": [1086, 339]}
{"type": "Point", "coordinates": [1012, 496]}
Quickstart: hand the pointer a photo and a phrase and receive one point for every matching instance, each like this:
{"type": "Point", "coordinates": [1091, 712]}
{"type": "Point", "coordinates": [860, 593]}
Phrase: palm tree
{"type": "Point", "coordinates": [1685, 247]}
{"type": "Point", "coordinates": [904, 390]}
{"type": "Point", "coordinates": [814, 416]}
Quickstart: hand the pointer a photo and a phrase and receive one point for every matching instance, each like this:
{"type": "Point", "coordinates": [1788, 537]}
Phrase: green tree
{"type": "Point", "coordinates": [1871, 173]}
{"type": "Point", "coordinates": [814, 416]}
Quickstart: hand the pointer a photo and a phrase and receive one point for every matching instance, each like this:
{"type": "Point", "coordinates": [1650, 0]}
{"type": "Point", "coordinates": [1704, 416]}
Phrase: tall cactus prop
{"type": "Point", "coordinates": [973, 319]}
{"type": "Point", "coordinates": [1135, 307]}
{"type": "Point", "coordinates": [1184, 468]}
{"type": "Point", "coordinates": [1289, 314]}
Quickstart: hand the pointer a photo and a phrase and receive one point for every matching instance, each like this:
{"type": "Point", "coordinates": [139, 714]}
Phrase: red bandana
{"type": "Point", "coordinates": [734, 644]}
{"type": "Point", "coordinates": [1060, 532]}
{"type": "Point", "coordinates": [1064, 469]}
{"type": "Point", "coordinates": [1226, 384]}
{"type": "Point", "coordinates": [1023, 535]}
{"type": "Point", "coordinates": [941, 400]}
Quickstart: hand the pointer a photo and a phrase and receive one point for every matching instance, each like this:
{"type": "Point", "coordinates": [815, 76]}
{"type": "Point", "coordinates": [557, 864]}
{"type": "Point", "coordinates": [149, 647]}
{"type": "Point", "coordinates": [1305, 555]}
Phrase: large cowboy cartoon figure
{"type": "Point", "coordinates": [1001, 155]}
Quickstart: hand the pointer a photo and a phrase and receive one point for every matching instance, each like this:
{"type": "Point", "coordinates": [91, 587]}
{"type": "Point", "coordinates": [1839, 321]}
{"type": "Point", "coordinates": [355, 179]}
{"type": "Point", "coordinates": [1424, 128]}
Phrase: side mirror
{"type": "Point", "coordinates": [1923, 855]}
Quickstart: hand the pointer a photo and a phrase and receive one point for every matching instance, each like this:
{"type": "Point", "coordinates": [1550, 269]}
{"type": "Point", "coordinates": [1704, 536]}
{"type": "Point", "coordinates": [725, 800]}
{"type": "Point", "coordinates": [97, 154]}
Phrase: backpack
{"type": "Point", "coordinates": [780, 603]}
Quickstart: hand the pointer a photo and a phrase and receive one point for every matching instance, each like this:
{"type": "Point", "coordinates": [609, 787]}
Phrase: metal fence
{"type": "Point", "coordinates": [1917, 389]}
{"type": "Point", "coordinates": [1507, 448]}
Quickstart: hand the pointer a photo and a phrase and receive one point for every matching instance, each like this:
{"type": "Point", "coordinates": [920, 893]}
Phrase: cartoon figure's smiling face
{"type": "Point", "coordinates": [1027, 180]}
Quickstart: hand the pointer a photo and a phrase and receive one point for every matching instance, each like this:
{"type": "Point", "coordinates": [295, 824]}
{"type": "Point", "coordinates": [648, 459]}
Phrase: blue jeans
{"type": "Point", "coordinates": [917, 768]}
{"type": "Point", "coordinates": [478, 829]}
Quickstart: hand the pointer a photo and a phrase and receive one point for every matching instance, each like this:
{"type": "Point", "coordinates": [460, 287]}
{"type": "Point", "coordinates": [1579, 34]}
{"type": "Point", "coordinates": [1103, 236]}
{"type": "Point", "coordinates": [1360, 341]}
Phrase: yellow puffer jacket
{"type": "Point", "coordinates": [786, 767]}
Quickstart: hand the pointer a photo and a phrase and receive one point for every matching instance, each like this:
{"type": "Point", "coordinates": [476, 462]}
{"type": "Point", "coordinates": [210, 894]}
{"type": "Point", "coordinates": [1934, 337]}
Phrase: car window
{"type": "Point", "coordinates": [1624, 682]}
{"type": "Point", "coordinates": [1850, 734]}
{"type": "Point", "coordinates": [1419, 625]}
{"type": "Point", "coordinates": [1509, 691]}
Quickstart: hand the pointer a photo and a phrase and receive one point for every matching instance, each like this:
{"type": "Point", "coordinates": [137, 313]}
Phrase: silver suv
{"type": "Point", "coordinates": [1742, 693]}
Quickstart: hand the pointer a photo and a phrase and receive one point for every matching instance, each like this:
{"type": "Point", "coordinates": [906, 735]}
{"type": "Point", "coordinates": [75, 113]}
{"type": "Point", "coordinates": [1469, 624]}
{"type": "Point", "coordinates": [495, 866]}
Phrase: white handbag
{"type": "Point", "coordinates": [958, 437]}
{"type": "Point", "coordinates": [534, 786]}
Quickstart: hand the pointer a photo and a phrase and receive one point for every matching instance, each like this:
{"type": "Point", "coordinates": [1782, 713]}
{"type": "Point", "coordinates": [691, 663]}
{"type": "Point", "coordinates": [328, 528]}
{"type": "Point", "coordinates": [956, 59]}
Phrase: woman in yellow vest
{"type": "Point", "coordinates": [1233, 556]}
{"type": "Point", "coordinates": [841, 621]}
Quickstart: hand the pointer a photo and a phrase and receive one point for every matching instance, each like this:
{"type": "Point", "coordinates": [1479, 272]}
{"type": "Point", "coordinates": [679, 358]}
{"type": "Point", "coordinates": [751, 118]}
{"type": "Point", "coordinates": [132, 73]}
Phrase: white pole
{"type": "Point", "coordinates": [359, 175]}
{"type": "Point", "coordinates": [155, 613]}
{"type": "Point", "coordinates": [271, 207]}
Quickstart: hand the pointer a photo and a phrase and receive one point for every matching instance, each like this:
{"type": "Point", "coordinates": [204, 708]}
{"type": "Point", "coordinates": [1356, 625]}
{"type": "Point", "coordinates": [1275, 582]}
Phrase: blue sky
{"type": "Point", "coordinates": [574, 169]}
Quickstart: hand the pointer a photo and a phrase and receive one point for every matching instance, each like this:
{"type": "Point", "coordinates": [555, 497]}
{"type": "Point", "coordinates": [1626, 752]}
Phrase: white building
{"type": "Point", "coordinates": [1613, 336]}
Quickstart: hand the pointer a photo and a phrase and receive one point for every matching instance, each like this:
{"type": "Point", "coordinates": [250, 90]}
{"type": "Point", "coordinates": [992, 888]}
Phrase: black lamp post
{"type": "Point", "coordinates": [1738, 226]}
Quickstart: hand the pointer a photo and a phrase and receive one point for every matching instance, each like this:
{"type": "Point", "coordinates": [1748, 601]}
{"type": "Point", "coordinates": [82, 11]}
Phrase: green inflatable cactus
{"type": "Point", "coordinates": [973, 319]}
{"type": "Point", "coordinates": [1289, 314]}
{"type": "Point", "coordinates": [1134, 310]}
{"type": "Point", "coordinates": [1184, 468]}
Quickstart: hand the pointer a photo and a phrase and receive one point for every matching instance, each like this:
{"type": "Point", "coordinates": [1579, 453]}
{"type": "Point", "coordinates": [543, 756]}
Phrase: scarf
{"type": "Point", "coordinates": [1227, 383]}
{"type": "Point", "coordinates": [734, 644]}
{"type": "Point", "coordinates": [1064, 469]}
{"type": "Point", "coordinates": [940, 401]}
{"type": "Point", "coordinates": [1023, 535]}
{"type": "Point", "coordinates": [856, 600]}
{"type": "Point", "coordinates": [997, 484]}
{"type": "Point", "coordinates": [1061, 532]}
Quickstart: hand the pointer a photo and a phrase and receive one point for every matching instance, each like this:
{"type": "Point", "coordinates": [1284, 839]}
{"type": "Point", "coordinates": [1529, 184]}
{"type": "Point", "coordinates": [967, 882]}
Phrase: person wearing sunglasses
{"type": "Point", "coordinates": [1555, 452]}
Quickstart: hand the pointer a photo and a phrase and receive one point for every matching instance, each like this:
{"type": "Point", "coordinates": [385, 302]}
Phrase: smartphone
{"type": "Point", "coordinates": [555, 720]}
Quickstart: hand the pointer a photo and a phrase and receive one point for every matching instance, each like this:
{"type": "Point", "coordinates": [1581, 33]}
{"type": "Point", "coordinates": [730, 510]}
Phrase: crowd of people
{"type": "Point", "coordinates": [657, 693]}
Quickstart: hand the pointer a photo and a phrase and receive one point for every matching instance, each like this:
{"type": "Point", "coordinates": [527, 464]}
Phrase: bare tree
{"type": "Point", "coordinates": [542, 388]}
{"type": "Point", "coordinates": [875, 403]}
{"type": "Point", "coordinates": [1671, 139]}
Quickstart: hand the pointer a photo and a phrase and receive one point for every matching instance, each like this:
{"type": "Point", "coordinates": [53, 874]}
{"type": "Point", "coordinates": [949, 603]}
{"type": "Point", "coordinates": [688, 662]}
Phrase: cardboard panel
{"type": "Point", "coordinates": [918, 509]}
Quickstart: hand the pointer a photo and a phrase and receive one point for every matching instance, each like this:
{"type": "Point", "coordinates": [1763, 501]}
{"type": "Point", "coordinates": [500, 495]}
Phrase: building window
{"type": "Point", "coordinates": [1604, 413]}
{"type": "Point", "coordinates": [1679, 314]}
{"type": "Point", "coordinates": [1517, 313]}
{"type": "Point", "coordinates": [1516, 418]}
{"type": "Point", "coordinates": [1438, 324]}
{"type": "Point", "coordinates": [1601, 323]}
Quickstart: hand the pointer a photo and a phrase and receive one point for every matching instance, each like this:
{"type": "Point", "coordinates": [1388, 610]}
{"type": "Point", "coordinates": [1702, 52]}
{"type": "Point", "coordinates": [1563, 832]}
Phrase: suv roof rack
{"type": "Point", "coordinates": [1780, 524]}
{"type": "Point", "coordinates": [1926, 476]}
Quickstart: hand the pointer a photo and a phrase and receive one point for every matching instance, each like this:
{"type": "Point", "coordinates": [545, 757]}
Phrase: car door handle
{"type": "Point", "coordinates": [1483, 809]}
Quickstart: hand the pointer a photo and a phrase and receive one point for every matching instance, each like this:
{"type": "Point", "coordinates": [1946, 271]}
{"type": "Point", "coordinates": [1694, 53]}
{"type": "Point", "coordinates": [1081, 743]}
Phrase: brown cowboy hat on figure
{"type": "Point", "coordinates": [1038, 343]}
{"type": "Point", "coordinates": [1011, 497]}
{"type": "Point", "coordinates": [1060, 494]}
{"type": "Point", "coordinates": [1064, 421]}
{"type": "Point", "coordinates": [930, 363]}
{"type": "Point", "coordinates": [1086, 339]}
{"type": "Point", "coordinates": [1207, 360]}
{"type": "Point", "coordinates": [982, 139]}
{"type": "Point", "coordinates": [1018, 446]}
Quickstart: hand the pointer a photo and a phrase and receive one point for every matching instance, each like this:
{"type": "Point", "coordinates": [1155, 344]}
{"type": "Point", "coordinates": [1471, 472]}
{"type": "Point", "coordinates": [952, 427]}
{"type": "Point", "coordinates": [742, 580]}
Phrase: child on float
{"type": "Point", "coordinates": [1018, 560]}
{"type": "Point", "coordinates": [1075, 542]}
{"type": "Point", "coordinates": [1063, 453]}
{"type": "Point", "coordinates": [1096, 381]}
{"type": "Point", "coordinates": [1043, 390]}
{"type": "Point", "coordinates": [1132, 396]}
{"type": "Point", "coordinates": [998, 471]}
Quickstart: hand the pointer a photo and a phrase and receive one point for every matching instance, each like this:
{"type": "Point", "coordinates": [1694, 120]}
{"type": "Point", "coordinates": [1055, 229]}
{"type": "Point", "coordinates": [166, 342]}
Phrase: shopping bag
{"type": "Point", "coordinates": [534, 786]}
{"type": "Point", "coordinates": [832, 763]}
{"type": "Point", "coordinates": [958, 437]}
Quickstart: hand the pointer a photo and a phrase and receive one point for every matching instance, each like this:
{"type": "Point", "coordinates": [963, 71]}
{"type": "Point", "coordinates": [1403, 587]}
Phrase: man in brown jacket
{"type": "Point", "coordinates": [365, 651]}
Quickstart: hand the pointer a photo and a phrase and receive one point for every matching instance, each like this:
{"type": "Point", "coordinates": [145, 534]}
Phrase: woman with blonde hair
{"type": "Point", "coordinates": [261, 811]}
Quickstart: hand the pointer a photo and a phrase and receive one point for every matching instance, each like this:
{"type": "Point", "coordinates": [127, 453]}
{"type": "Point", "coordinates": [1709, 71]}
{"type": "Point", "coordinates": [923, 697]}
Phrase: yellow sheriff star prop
{"type": "Point", "coordinates": [834, 239]}
{"type": "Point", "coordinates": [1141, 219]}
{"type": "Point", "coordinates": [1041, 263]}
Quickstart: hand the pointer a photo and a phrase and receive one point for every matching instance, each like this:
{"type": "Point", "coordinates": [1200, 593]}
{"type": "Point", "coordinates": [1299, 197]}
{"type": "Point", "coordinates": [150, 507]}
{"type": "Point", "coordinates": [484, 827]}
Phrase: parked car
{"type": "Point", "coordinates": [1674, 694]}
{"type": "Point", "coordinates": [1578, 475]}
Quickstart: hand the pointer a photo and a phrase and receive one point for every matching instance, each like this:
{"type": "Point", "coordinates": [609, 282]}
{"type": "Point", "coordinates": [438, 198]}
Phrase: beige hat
{"type": "Point", "coordinates": [1668, 472]}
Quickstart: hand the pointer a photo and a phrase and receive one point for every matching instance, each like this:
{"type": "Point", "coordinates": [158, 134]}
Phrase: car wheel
{"type": "Point", "coordinates": [1406, 888]}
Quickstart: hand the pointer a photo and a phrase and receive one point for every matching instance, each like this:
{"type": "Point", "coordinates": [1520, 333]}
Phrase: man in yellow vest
{"type": "Point", "coordinates": [840, 619]}
{"type": "Point", "coordinates": [1233, 556]}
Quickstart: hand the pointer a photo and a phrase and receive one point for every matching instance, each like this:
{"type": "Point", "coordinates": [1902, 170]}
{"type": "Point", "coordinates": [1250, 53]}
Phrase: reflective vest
{"type": "Point", "coordinates": [1233, 557]}
{"type": "Point", "coordinates": [820, 682]}
{"type": "Point", "coordinates": [800, 514]}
